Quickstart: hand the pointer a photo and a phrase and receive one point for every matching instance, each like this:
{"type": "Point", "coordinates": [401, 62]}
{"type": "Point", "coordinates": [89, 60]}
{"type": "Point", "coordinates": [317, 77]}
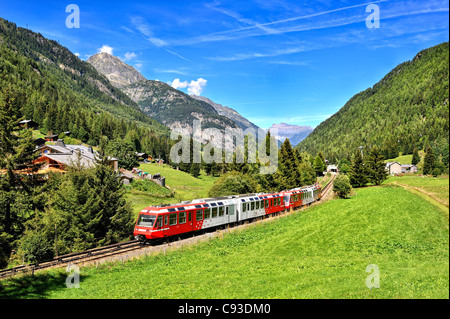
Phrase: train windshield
{"type": "Point", "coordinates": [146, 220]}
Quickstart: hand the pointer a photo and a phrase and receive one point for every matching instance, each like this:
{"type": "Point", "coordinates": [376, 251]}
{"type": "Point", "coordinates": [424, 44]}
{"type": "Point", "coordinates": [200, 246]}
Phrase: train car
{"type": "Point", "coordinates": [292, 199]}
{"type": "Point", "coordinates": [273, 203]}
{"type": "Point", "coordinates": [216, 212]}
{"type": "Point", "coordinates": [249, 206]}
{"type": "Point", "coordinates": [165, 221]}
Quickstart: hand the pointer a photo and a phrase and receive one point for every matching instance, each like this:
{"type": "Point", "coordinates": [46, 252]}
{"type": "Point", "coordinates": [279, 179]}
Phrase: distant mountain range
{"type": "Point", "coordinates": [295, 133]}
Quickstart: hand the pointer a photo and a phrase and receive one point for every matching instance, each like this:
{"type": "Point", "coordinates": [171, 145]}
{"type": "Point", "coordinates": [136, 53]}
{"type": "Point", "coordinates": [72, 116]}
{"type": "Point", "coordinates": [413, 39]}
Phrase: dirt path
{"type": "Point", "coordinates": [427, 196]}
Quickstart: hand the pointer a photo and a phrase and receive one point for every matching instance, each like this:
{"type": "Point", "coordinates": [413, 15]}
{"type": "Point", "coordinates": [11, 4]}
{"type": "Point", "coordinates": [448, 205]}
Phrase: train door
{"type": "Point", "coordinates": [190, 220]}
{"type": "Point", "coordinates": [230, 213]}
{"type": "Point", "coordinates": [165, 225]}
{"type": "Point", "coordinates": [159, 226]}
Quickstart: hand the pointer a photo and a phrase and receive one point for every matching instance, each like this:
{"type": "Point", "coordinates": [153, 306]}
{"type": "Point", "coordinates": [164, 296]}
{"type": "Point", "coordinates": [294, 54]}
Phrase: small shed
{"type": "Point", "coordinates": [126, 178]}
{"type": "Point", "coordinates": [28, 124]}
{"type": "Point", "coordinates": [409, 168]}
{"type": "Point", "coordinates": [51, 138]}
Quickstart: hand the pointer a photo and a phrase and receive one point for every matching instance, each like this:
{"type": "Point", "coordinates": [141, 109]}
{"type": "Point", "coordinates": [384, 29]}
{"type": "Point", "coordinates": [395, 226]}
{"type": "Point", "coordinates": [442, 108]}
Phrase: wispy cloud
{"type": "Point", "coordinates": [129, 56]}
{"type": "Point", "coordinates": [145, 29]}
{"type": "Point", "coordinates": [170, 71]}
{"type": "Point", "coordinates": [419, 27]}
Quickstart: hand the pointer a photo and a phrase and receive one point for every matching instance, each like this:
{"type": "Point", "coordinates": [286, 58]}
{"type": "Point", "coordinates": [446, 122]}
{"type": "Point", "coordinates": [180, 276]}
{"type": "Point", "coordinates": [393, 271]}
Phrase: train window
{"type": "Point", "coordinates": [231, 210]}
{"type": "Point", "coordinates": [159, 222]}
{"type": "Point", "coordinates": [226, 210]}
{"type": "Point", "coordinates": [252, 206]}
{"type": "Point", "coordinates": [166, 219]}
{"type": "Point", "coordinates": [257, 205]}
{"type": "Point", "coordinates": [172, 219]}
{"type": "Point", "coordinates": [190, 216]}
{"type": "Point", "coordinates": [279, 201]}
{"type": "Point", "coordinates": [267, 203]}
{"type": "Point", "coordinates": [248, 206]}
{"type": "Point", "coordinates": [199, 215]}
{"type": "Point", "coordinates": [244, 207]}
{"type": "Point", "coordinates": [146, 220]}
{"type": "Point", "coordinates": [207, 213]}
{"type": "Point", "coordinates": [221, 211]}
{"type": "Point", "coordinates": [214, 212]}
{"type": "Point", "coordinates": [182, 218]}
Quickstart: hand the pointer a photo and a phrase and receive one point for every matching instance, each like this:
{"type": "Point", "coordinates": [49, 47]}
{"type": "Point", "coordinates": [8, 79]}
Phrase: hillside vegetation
{"type": "Point", "coordinates": [408, 108]}
{"type": "Point", "coordinates": [321, 252]}
{"type": "Point", "coordinates": [53, 87]}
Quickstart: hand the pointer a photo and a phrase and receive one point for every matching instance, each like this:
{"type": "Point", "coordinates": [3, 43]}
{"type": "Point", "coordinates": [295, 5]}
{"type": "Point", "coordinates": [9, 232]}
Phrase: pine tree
{"type": "Point", "coordinates": [415, 157]}
{"type": "Point", "coordinates": [376, 167]}
{"type": "Point", "coordinates": [429, 161]}
{"type": "Point", "coordinates": [18, 181]}
{"type": "Point", "coordinates": [319, 165]}
{"type": "Point", "coordinates": [358, 173]}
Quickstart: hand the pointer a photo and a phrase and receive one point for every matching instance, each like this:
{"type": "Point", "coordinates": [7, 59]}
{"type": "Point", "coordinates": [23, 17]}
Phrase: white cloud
{"type": "Point", "coordinates": [177, 84]}
{"type": "Point", "coordinates": [107, 49]}
{"type": "Point", "coordinates": [196, 87]}
{"type": "Point", "coordinates": [193, 87]}
{"type": "Point", "coordinates": [129, 56]}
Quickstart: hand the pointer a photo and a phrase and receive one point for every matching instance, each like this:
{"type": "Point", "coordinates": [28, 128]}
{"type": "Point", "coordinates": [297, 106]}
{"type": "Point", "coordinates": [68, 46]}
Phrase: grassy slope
{"type": "Point", "coordinates": [435, 187]}
{"type": "Point", "coordinates": [322, 252]}
{"type": "Point", "coordinates": [185, 186]}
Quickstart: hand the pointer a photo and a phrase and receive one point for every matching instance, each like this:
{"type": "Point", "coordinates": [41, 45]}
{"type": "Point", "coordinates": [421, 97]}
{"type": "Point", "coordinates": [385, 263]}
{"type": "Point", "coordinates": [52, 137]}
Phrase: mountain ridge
{"type": "Point", "coordinates": [408, 108]}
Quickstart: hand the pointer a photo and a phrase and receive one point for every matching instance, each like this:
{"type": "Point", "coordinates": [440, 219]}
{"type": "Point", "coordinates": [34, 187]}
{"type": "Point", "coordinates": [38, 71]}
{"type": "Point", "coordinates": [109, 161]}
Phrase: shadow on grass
{"type": "Point", "coordinates": [37, 286]}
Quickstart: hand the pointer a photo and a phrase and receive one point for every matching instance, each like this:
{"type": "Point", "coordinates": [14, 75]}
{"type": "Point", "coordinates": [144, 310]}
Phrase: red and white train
{"type": "Point", "coordinates": [163, 221]}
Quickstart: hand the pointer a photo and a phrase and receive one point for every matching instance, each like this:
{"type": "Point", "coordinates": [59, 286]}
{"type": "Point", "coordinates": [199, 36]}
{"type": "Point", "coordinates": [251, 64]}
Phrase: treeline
{"type": "Point", "coordinates": [243, 173]}
{"type": "Point", "coordinates": [41, 218]}
{"type": "Point", "coordinates": [407, 109]}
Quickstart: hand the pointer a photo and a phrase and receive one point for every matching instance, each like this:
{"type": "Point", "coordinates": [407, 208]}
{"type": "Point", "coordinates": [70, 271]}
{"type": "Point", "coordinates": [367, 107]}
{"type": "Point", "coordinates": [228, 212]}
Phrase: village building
{"type": "Point", "coordinates": [60, 156]}
{"type": "Point", "coordinates": [394, 168]}
{"type": "Point", "coordinates": [409, 168]}
{"type": "Point", "coordinates": [332, 169]}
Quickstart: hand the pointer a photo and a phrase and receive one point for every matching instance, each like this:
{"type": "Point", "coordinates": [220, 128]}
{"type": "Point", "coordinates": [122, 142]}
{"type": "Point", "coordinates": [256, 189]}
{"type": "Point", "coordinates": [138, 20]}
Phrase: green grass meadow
{"type": "Point", "coordinates": [320, 252]}
{"type": "Point", "coordinates": [184, 186]}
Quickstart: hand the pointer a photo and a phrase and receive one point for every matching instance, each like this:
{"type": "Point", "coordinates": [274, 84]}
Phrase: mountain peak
{"type": "Point", "coordinates": [116, 71]}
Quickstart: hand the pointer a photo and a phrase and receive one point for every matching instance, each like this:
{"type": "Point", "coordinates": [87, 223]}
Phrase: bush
{"type": "Point", "coordinates": [341, 186]}
{"type": "Point", "coordinates": [233, 183]}
{"type": "Point", "coordinates": [436, 172]}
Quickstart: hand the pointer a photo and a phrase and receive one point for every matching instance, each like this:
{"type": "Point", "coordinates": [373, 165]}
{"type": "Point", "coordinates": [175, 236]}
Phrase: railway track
{"type": "Point", "coordinates": [85, 256]}
{"type": "Point", "coordinates": [327, 187]}
{"type": "Point", "coordinates": [95, 253]}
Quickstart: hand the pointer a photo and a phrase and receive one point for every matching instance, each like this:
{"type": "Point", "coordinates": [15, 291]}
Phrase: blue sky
{"type": "Point", "coordinates": [273, 61]}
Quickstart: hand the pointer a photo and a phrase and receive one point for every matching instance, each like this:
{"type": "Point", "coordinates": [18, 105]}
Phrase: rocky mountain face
{"type": "Point", "coordinates": [117, 72]}
{"type": "Point", "coordinates": [232, 114]}
{"type": "Point", "coordinates": [294, 133]}
{"type": "Point", "coordinates": [169, 106]}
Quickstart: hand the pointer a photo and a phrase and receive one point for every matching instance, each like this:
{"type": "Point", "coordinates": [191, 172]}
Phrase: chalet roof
{"type": "Point", "coordinates": [70, 159]}
{"type": "Point", "coordinates": [27, 121]}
